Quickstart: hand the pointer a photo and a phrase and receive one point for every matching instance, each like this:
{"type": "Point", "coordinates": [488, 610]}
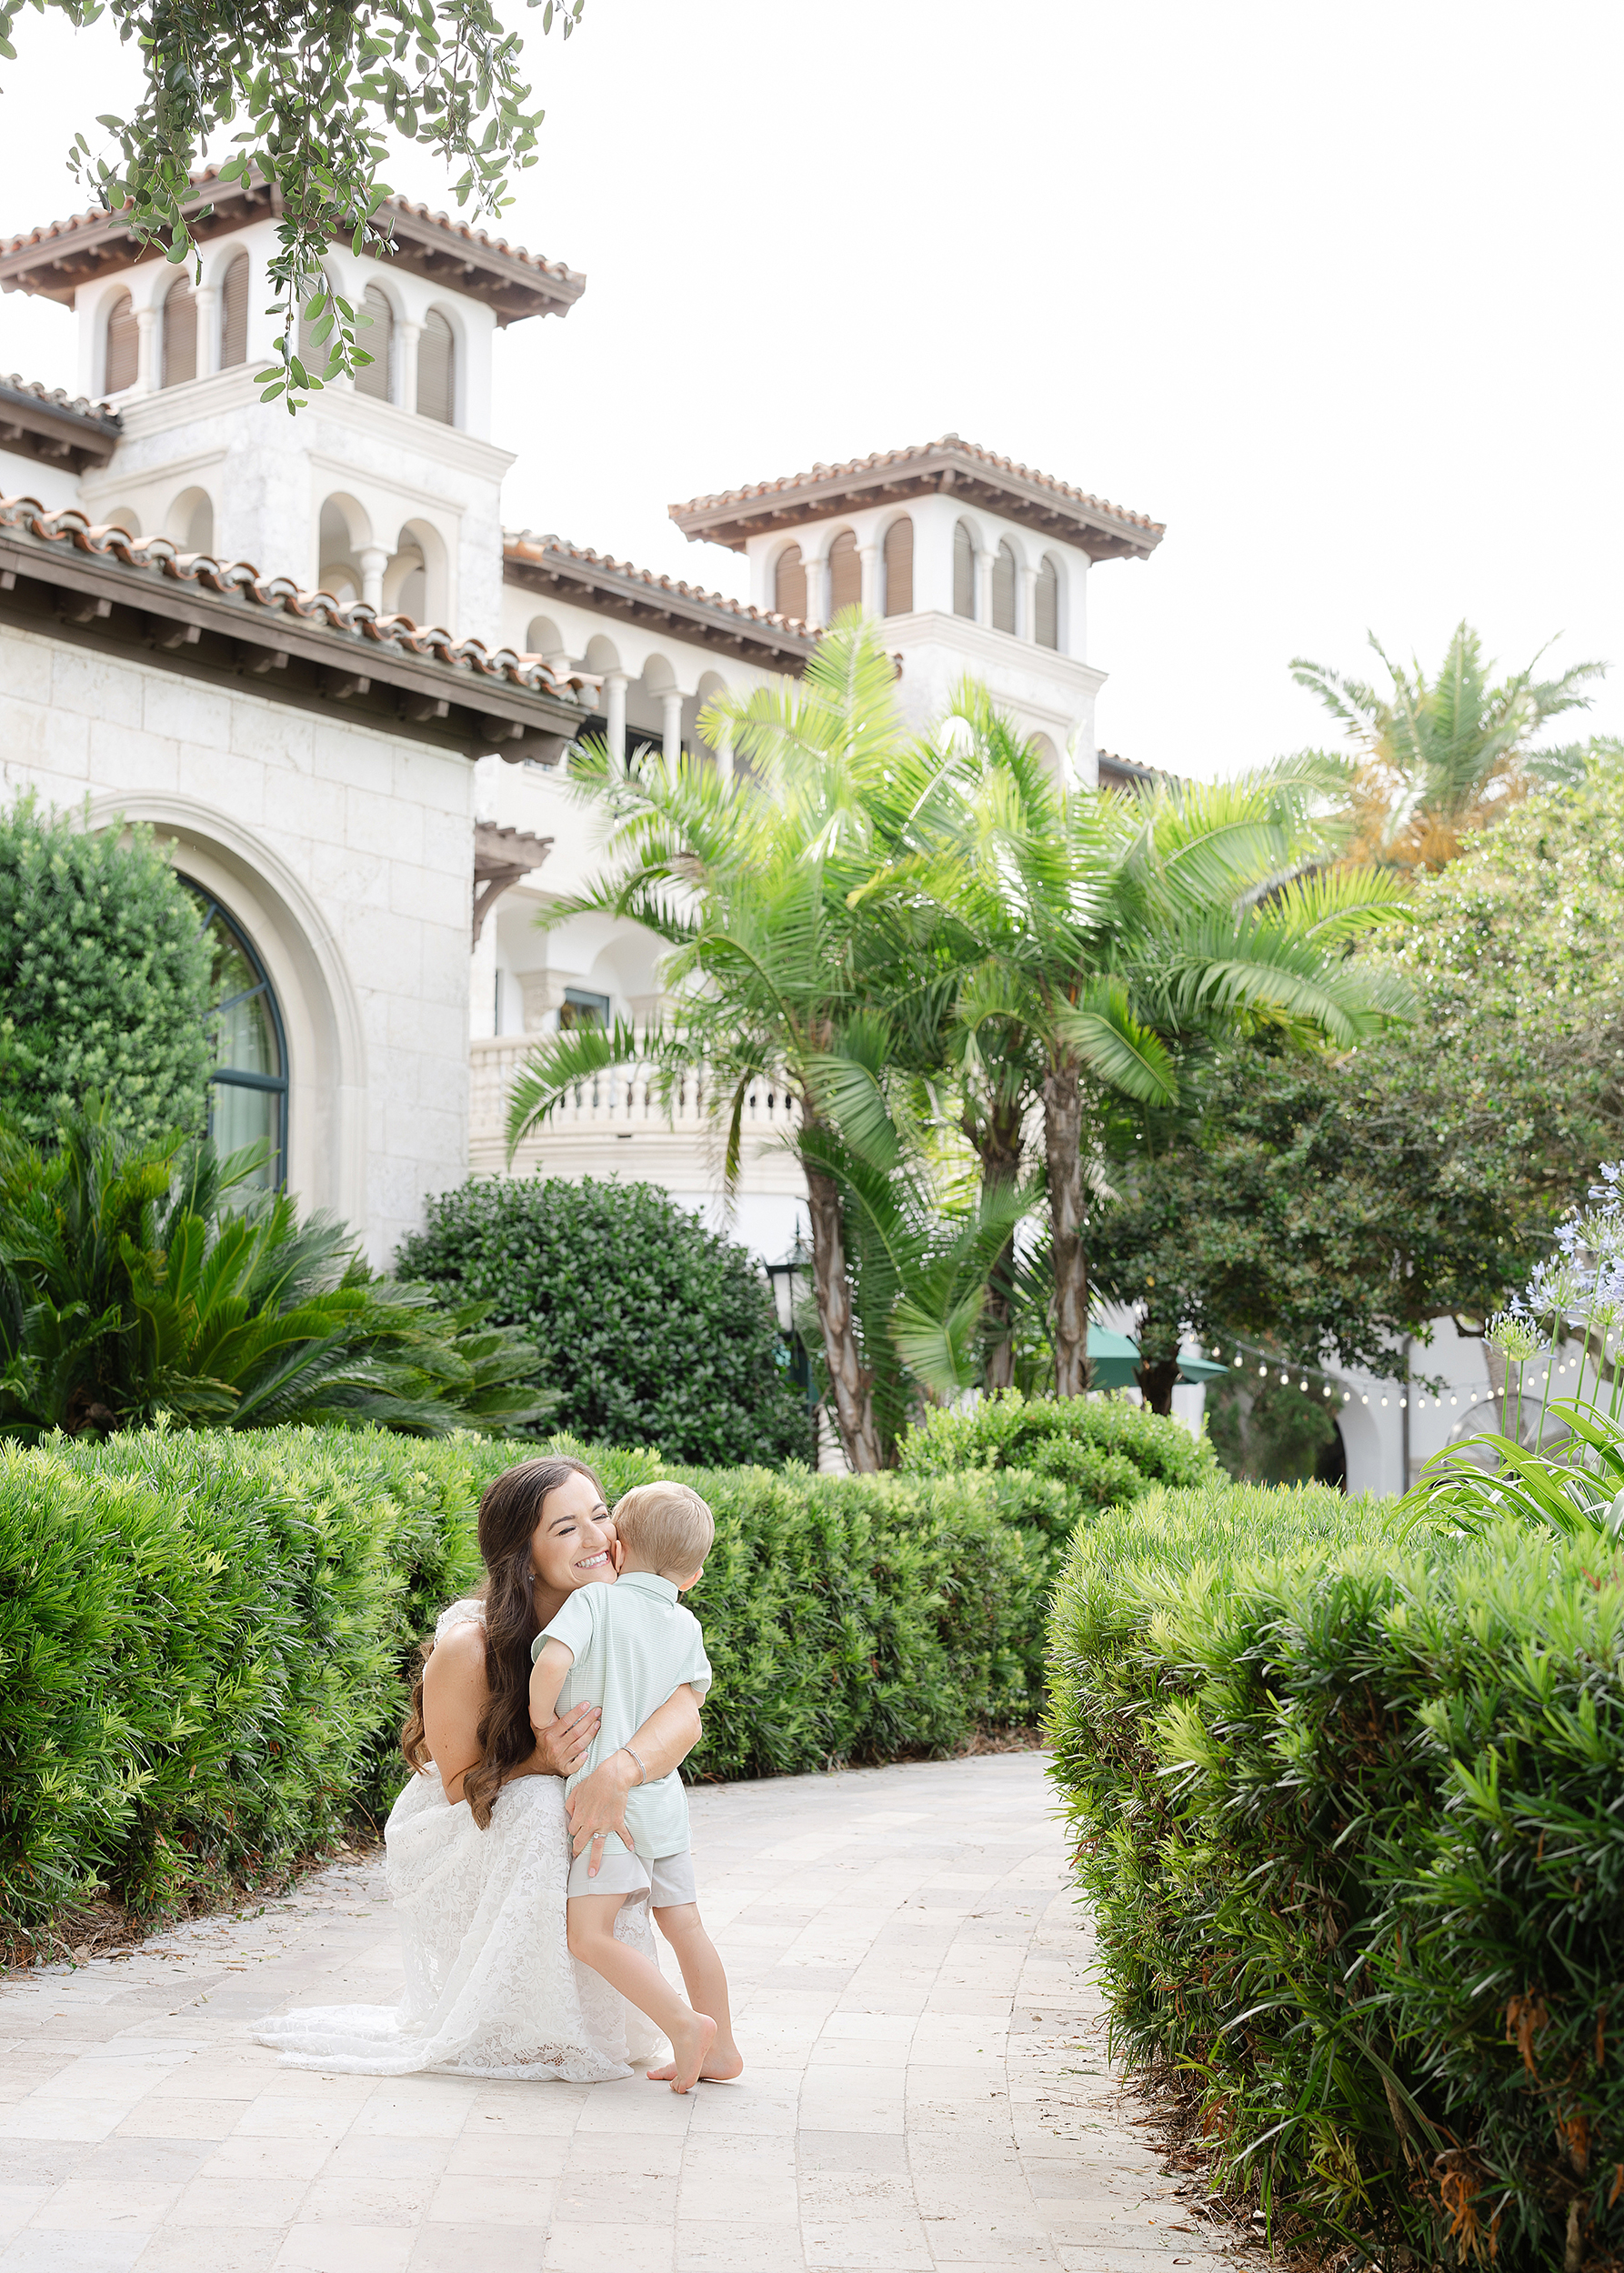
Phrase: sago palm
{"type": "Point", "coordinates": [1437, 759]}
{"type": "Point", "coordinates": [1112, 935]}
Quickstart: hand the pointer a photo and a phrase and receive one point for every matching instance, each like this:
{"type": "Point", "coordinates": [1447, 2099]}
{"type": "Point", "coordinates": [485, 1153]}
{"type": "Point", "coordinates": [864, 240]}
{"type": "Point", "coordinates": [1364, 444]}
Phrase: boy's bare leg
{"type": "Point", "coordinates": [707, 1986]}
{"type": "Point", "coordinates": [640, 1981]}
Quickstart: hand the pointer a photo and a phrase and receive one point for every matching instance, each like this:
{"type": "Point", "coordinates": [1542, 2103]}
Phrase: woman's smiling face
{"type": "Point", "coordinates": [571, 1545]}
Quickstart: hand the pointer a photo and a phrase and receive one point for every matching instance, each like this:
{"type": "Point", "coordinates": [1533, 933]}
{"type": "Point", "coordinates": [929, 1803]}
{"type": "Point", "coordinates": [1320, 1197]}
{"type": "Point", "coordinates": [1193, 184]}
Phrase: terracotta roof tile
{"type": "Point", "coordinates": [156, 557]}
{"type": "Point", "coordinates": [734, 507]}
{"type": "Point", "coordinates": [526, 545]}
{"type": "Point", "coordinates": [97, 216]}
{"type": "Point", "coordinates": [58, 398]}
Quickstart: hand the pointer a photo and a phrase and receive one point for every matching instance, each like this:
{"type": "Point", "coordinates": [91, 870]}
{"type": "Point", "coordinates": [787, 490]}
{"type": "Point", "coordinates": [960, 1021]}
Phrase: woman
{"type": "Point", "coordinates": [478, 1843]}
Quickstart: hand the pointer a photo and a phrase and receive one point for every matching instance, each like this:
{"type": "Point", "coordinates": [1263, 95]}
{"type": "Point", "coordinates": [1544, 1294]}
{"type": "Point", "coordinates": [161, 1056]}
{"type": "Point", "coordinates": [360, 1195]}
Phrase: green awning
{"type": "Point", "coordinates": [1113, 1360]}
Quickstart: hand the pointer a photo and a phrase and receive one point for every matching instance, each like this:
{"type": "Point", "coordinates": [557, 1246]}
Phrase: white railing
{"type": "Point", "coordinates": [628, 1097]}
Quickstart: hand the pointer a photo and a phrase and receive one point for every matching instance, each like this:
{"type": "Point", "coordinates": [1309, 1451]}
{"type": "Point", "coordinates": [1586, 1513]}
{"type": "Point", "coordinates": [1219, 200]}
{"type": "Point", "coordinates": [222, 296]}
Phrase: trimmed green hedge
{"type": "Point", "coordinates": [1091, 1453]}
{"type": "Point", "coordinates": [1349, 1809]}
{"type": "Point", "coordinates": [651, 1329]}
{"type": "Point", "coordinates": [205, 1639]}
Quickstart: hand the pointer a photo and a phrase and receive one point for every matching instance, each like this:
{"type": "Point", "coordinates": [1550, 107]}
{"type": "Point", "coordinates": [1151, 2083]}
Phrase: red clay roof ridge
{"type": "Point", "coordinates": [528, 542]}
{"type": "Point", "coordinates": [159, 556]}
{"type": "Point", "coordinates": [953, 444]}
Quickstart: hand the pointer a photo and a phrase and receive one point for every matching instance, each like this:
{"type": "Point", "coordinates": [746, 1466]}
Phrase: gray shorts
{"type": "Point", "coordinates": [668, 1879]}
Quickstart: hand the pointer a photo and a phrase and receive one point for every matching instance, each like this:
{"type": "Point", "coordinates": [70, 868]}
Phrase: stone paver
{"type": "Point", "coordinates": [927, 2083]}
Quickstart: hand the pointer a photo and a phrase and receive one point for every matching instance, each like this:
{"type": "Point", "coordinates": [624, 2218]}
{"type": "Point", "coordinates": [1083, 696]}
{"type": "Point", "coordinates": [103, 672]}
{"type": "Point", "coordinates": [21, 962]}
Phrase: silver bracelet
{"type": "Point", "coordinates": [638, 1757]}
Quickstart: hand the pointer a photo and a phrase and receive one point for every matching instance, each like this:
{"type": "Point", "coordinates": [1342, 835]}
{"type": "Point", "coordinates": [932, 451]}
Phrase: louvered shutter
{"type": "Point", "coordinates": [846, 573]}
{"type": "Point", "coordinates": [1046, 630]}
{"type": "Point", "coordinates": [234, 314]}
{"type": "Point", "coordinates": [124, 346]}
{"type": "Point", "coordinates": [964, 571]}
{"type": "Point", "coordinates": [436, 369]}
{"type": "Point", "coordinates": [180, 332]}
{"type": "Point", "coordinates": [790, 590]}
{"type": "Point", "coordinates": [1003, 589]}
{"type": "Point", "coordinates": [899, 567]}
{"type": "Point", "coordinates": [376, 340]}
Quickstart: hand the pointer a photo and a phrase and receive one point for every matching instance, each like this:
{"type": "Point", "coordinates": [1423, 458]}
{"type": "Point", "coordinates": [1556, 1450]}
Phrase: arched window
{"type": "Point", "coordinates": [899, 567]}
{"type": "Point", "coordinates": [124, 346]}
{"type": "Point", "coordinates": [1046, 629]}
{"type": "Point", "coordinates": [180, 332]}
{"type": "Point", "coordinates": [789, 584]}
{"type": "Point", "coordinates": [233, 312]}
{"type": "Point", "coordinates": [846, 573]}
{"type": "Point", "coordinates": [437, 370]}
{"type": "Point", "coordinates": [964, 570]}
{"type": "Point", "coordinates": [317, 355]}
{"type": "Point", "coordinates": [376, 340]}
{"type": "Point", "coordinates": [248, 1085]}
{"type": "Point", "coordinates": [1003, 589]}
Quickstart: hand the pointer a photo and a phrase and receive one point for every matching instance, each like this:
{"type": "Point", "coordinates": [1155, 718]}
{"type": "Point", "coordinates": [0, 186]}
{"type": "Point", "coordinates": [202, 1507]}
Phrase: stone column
{"type": "Point", "coordinates": [817, 591]}
{"type": "Point", "coordinates": [207, 298]}
{"type": "Point", "coordinates": [1027, 618]}
{"type": "Point", "coordinates": [406, 336]}
{"type": "Point", "coordinates": [146, 351]}
{"type": "Point", "coordinates": [868, 554]}
{"type": "Point", "coordinates": [984, 562]}
{"type": "Point", "coordinates": [614, 709]}
{"type": "Point", "coordinates": [374, 560]}
{"type": "Point", "coordinates": [671, 719]}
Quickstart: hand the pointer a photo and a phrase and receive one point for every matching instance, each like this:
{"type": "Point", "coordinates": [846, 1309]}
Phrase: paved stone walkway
{"type": "Point", "coordinates": [927, 2084]}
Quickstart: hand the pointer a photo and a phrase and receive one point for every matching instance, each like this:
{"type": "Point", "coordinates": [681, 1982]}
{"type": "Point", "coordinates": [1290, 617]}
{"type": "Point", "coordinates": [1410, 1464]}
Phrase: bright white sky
{"type": "Point", "coordinates": [1333, 291]}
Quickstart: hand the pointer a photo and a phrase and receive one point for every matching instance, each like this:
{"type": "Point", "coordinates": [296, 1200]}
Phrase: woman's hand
{"type": "Point", "coordinates": [565, 1746]}
{"type": "Point", "coordinates": [597, 1804]}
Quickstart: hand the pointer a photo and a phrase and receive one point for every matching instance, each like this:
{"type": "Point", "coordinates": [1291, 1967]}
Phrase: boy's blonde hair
{"type": "Point", "coordinates": [665, 1526]}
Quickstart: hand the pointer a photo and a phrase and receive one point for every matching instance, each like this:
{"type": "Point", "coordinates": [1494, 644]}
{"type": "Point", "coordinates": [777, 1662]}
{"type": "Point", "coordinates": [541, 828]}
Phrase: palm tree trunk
{"type": "Point", "coordinates": [1063, 1153]}
{"type": "Point", "coordinates": [997, 1142]}
{"type": "Point", "coordinates": [850, 1379]}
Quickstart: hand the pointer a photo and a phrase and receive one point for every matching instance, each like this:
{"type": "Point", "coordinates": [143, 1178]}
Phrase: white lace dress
{"type": "Point", "coordinates": [491, 1986]}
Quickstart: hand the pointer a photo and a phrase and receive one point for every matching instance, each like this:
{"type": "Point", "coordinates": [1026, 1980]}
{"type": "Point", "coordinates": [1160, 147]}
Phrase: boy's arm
{"type": "Point", "coordinates": [553, 1661]}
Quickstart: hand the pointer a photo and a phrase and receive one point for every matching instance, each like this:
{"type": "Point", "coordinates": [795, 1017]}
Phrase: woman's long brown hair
{"type": "Point", "coordinates": [509, 1512]}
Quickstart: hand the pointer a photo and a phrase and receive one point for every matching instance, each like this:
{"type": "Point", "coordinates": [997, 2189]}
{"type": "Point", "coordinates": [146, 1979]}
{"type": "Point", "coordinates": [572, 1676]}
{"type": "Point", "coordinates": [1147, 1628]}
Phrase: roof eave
{"type": "Point", "coordinates": [733, 522]}
{"type": "Point", "coordinates": [94, 598]}
{"type": "Point", "coordinates": [628, 601]}
{"type": "Point", "coordinates": [54, 268]}
{"type": "Point", "coordinates": [52, 434]}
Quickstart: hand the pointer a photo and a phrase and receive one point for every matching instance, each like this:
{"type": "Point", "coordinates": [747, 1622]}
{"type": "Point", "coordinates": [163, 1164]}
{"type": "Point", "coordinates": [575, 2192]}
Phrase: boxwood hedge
{"type": "Point", "coordinates": [205, 1639]}
{"type": "Point", "coordinates": [1350, 1805]}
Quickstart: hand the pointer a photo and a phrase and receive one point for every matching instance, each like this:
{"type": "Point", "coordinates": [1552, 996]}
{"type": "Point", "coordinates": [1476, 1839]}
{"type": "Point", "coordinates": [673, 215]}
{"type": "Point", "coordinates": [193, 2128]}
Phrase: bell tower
{"type": "Point", "coordinates": [386, 488]}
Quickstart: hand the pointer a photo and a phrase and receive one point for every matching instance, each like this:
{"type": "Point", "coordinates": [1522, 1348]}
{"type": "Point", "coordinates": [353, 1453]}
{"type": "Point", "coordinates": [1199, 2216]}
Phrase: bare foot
{"type": "Point", "coordinates": [721, 2064]}
{"type": "Point", "coordinates": [690, 2044]}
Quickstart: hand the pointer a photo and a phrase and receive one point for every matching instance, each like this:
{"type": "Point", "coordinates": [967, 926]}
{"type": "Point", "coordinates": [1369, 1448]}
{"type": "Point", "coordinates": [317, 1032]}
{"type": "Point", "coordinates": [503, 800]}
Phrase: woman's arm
{"type": "Point", "coordinates": [597, 1804]}
{"type": "Point", "coordinates": [454, 1696]}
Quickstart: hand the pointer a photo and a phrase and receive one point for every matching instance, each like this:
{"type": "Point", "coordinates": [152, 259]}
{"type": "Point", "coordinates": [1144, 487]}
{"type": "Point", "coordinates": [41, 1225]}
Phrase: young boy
{"type": "Point", "coordinates": [626, 1648]}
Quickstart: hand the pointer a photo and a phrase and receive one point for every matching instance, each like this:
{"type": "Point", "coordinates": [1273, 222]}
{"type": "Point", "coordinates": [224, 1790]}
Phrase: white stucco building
{"type": "Point", "coordinates": [209, 620]}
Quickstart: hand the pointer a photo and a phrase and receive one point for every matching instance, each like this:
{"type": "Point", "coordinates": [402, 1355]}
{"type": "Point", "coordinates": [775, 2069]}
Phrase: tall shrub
{"type": "Point", "coordinates": [1347, 1807]}
{"type": "Point", "coordinates": [104, 978]}
{"type": "Point", "coordinates": [652, 1329]}
{"type": "Point", "coordinates": [205, 1638]}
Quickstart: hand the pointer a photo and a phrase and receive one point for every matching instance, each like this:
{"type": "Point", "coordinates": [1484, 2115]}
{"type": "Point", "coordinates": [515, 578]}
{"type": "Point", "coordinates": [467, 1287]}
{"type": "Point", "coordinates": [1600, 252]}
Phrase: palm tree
{"type": "Point", "coordinates": [756, 884]}
{"type": "Point", "coordinates": [1113, 936]}
{"type": "Point", "coordinates": [1438, 760]}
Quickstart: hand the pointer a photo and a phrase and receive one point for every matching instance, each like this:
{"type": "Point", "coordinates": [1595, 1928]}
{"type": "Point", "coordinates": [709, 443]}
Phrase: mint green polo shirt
{"type": "Point", "coordinates": [634, 1646]}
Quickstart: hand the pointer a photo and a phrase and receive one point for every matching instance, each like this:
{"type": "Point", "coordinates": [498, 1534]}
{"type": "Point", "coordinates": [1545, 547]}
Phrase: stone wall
{"type": "Point", "coordinates": [346, 856]}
